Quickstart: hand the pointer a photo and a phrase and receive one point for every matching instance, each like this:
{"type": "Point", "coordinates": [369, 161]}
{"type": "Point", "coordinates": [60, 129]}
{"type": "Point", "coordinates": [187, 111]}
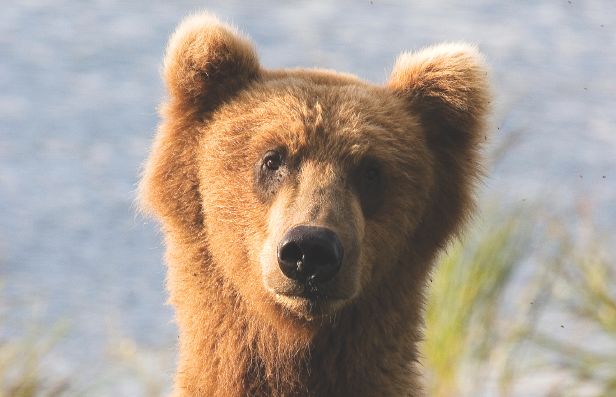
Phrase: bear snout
{"type": "Point", "coordinates": [310, 254]}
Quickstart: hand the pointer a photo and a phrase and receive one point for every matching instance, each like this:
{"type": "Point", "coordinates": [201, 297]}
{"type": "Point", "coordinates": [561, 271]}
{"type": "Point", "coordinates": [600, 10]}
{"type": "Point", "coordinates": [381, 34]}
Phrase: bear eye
{"type": "Point", "coordinates": [372, 173]}
{"type": "Point", "coordinates": [269, 173]}
{"type": "Point", "coordinates": [370, 185]}
{"type": "Point", "coordinates": [272, 160]}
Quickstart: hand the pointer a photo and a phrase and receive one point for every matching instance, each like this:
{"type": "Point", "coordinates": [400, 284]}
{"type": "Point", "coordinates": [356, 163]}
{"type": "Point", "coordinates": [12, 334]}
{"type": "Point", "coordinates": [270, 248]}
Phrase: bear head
{"type": "Point", "coordinates": [310, 190]}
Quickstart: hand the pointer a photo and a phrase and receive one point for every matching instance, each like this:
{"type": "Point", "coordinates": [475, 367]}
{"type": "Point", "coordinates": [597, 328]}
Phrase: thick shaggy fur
{"type": "Point", "coordinates": [238, 337]}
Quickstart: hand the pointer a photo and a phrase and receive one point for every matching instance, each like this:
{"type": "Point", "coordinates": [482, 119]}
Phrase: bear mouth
{"type": "Point", "coordinates": [310, 291]}
{"type": "Point", "coordinates": [310, 301]}
{"type": "Point", "coordinates": [310, 295]}
{"type": "Point", "coordinates": [310, 306]}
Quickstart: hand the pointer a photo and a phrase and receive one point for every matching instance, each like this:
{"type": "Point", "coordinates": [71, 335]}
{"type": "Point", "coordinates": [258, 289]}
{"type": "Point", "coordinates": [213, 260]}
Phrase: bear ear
{"type": "Point", "coordinates": [447, 86]}
{"type": "Point", "coordinates": [207, 62]}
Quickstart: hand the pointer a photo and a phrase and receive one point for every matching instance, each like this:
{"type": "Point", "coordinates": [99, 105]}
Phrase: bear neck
{"type": "Point", "coordinates": [368, 349]}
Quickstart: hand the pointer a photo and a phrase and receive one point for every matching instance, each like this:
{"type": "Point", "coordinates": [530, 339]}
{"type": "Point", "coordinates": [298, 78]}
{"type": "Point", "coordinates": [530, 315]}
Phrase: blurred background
{"type": "Point", "coordinates": [525, 307]}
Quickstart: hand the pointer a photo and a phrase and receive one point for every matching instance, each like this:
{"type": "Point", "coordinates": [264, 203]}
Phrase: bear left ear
{"type": "Point", "coordinates": [447, 86]}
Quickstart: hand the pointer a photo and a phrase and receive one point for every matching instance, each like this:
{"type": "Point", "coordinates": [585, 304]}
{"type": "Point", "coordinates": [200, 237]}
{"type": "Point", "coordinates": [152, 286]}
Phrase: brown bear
{"type": "Point", "coordinates": [302, 210]}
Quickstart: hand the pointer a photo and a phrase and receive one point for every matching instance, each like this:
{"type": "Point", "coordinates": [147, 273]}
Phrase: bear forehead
{"type": "Point", "coordinates": [343, 116]}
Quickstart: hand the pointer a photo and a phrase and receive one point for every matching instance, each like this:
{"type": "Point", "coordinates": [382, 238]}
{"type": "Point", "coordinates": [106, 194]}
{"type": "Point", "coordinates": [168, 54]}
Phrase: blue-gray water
{"type": "Point", "coordinates": [79, 86]}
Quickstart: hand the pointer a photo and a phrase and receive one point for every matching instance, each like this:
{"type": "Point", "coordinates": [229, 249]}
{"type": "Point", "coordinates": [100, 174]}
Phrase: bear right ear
{"type": "Point", "coordinates": [206, 62]}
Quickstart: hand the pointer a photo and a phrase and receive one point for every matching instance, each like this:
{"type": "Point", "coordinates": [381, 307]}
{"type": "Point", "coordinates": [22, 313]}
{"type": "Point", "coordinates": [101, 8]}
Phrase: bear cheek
{"type": "Point", "coordinates": [385, 245]}
{"type": "Point", "coordinates": [356, 269]}
{"type": "Point", "coordinates": [273, 279]}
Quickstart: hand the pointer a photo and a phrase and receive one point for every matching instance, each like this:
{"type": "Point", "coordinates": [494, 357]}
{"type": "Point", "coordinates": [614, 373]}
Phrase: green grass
{"type": "Point", "coordinates": [586, 292]}
{"type": "Point", "coordinates": [20, 365]}
{"type": "Point", "coordinates": [464, 301]}
{"type": "Point", "coordinates": [23, 359]}
{"type": "Point", "coordinates": [491, 309]}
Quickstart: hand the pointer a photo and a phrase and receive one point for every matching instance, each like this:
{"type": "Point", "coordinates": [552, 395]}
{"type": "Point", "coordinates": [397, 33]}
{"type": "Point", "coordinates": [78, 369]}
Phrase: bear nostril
{"type": "Point", "coordinates": [291, 252]}
{"type": "Point", "coordinates": [290, 259]}
{"type": "Point", "coordinates": [310, 253]}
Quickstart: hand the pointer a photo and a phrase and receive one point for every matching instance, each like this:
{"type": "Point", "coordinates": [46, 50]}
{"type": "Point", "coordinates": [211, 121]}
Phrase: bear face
{"type": "Point", "coordinates": [346, 158]}
{"type": "Point", "coordinates": [309, 190]}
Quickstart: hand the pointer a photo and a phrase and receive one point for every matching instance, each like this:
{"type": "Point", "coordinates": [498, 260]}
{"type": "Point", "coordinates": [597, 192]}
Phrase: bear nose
{"type": "Point", "coordinates": [310, 253]}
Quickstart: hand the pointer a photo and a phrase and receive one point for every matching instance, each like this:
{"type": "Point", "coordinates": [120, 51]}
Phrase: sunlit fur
{"type": "Point", "coordinates": [238, 336]}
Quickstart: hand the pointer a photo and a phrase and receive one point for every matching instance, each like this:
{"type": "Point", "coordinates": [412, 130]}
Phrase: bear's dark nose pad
{"type": "Point", "coordinates": [310, 253]}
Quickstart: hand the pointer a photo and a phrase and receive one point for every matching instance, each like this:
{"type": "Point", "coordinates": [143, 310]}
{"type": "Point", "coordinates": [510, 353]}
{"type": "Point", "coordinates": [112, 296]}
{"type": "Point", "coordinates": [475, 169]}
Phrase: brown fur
{"type": "Point", "coordinates": [238, 336]}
